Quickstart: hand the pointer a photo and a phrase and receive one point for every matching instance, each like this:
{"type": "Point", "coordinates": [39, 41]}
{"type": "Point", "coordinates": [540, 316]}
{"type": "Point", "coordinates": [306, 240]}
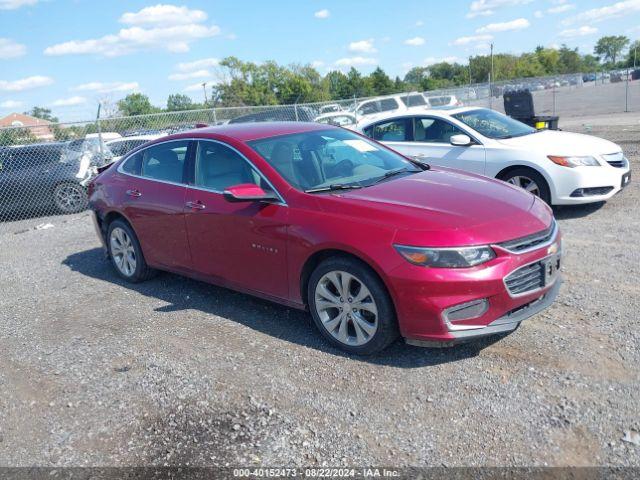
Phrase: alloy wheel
{"type": "Point", "coordinates": [525, 183]}
{"type": "Point", "coordinates": [69, 198]}
{"type": "Point", "coordinates": [346, 308]}
{"type": "Point", "coordinates": [123, 252]}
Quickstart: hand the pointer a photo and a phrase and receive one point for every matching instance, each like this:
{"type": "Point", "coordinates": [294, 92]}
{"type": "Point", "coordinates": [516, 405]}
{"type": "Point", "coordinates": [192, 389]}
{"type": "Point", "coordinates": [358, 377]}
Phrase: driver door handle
{"type": "Point", "coordinates": [134, 193]}
{"type": "Point", "coordinates": [195, 205]}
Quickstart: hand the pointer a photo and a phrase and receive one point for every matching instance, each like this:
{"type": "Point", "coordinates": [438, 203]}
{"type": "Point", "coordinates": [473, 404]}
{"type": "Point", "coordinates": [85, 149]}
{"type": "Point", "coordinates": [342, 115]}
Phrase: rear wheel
{"type": "Point", "coordinates": [70, 197]}
{"type": "Point", "coordinates": [125, 253]}
{"type": "Point", "coordinates": [351, 306]}
{"type": "Point", "coordinates": [529, 180]}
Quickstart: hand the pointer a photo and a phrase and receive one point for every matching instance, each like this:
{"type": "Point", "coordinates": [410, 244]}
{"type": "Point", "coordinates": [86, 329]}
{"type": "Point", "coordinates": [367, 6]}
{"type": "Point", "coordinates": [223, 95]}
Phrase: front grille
{"type": "Point", "coordinates": [527, 278]}
{"type": "Point", "coordinates": [615, 160]}
{"type": "Point", "coordinates": [529, 242]}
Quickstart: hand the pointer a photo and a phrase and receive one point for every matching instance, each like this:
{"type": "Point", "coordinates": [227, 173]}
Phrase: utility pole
{"type": "Point", "coordinates": [491, 80]}
{"type": "Point", "coordinates": [204, 89]}
{"type": "Point", "coordinates": [469, 88]}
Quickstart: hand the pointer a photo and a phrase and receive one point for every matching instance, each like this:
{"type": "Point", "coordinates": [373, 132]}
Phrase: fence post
{"type": "Point", "coordinates": [295, 108]}
{"type": "Point", "coordinates": [554, 96]}
{"type": "Point", "coordinates": [626, 92]}
{"type": "Point", "coordinates": [98, 126]}
{"type": "Point", "coordinates": [215, 118]}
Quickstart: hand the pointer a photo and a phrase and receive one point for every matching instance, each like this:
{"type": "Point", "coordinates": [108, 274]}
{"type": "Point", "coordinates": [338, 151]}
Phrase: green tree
{"type": "Point", "coordinates": [633, 55]}
{"type": "Point", "coordinates": [379, 82]}
{"type": "Point", "coordinates": [178, 102]}
{"type": "Point", "coordinates": [42, 113]}
{"type": "Point", "coordinates": [610, 47]}
{"type": "Point", "coordinates": [136, 104]}
{"type": "Point", "coordinates": [16, 136]}
{"type": "Point", "coordinates": [569, 60]}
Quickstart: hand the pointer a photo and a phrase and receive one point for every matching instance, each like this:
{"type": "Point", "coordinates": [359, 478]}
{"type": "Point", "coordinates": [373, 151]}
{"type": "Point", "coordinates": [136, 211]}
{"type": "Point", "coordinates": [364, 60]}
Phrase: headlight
{"type": "Point", "coordinates": [574, 161]}
{"type": "Point", "coordinates": [446, 257]}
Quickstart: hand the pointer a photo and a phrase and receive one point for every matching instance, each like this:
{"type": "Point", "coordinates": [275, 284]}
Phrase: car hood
{"type": "Point", "coordinates": [553, 142]}
{"type": "Point", "coordinates": [445, 207]}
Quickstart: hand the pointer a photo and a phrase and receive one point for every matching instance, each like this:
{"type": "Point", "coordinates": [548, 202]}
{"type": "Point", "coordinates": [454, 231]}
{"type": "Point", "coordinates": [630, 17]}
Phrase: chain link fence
{"type": "Point", "coordinates": [45, 168]}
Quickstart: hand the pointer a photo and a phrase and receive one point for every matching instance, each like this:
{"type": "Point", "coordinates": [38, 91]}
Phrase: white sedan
{"type": "Point", "coordinates": [562, 168]}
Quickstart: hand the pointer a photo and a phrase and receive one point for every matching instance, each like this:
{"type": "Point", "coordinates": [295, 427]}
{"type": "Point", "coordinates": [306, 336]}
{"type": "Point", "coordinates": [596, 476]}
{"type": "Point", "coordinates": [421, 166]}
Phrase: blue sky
{"type": "Point", "coordinates": [69, 54]}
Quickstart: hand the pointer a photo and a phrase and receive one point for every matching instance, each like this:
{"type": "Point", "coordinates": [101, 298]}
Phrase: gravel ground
{"type": "Point", "coordinates": [173, 371]}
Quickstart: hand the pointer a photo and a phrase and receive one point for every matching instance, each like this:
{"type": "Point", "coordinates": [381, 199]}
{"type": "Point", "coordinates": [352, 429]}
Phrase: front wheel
{"type": "Point", "coordinates": [529, 180]}
{"type": "Point", "coordinates": [351, 306]}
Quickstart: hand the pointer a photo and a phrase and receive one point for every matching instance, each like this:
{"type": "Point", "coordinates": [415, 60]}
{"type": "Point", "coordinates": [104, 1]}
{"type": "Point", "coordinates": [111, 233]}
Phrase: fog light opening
{"type": "Point", "coordinates": [466, 311]}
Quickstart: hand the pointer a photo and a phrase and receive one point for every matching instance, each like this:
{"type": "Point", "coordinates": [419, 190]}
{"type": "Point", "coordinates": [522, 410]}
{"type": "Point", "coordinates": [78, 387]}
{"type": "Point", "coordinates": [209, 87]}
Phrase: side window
{"type": "Point", "coordinates": [219, 167]}
{"type": "Point", "coordinates": [165, 161]}
{"type": "Point", "coordinates": [413, 100]}
{"type": "Point", "coordinates": [118, 148]}
{"type": "Point", "coordinates": [433, 130]}
{"type": "Point", "coordinates": [388, 104]}
{"type": "Point", "coordinates": [369, 108]}
{"type": "Point", "coordinates": [391, 131]}
{"type": "Point", "coordinates": [132, 164]}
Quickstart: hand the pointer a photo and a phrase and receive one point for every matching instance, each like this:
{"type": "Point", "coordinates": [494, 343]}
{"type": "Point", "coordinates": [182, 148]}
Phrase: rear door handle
{"type": "Point", "coordinates": [195, 205]}
{"type": "Point", "coordinates": [134, 193]}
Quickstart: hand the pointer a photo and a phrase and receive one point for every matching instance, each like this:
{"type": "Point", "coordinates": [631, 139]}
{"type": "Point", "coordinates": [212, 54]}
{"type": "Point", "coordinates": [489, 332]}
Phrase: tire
{"type": "Point", "coordinates": [363, 331]}
{"type": "Point", "coordinates": [125, 253]}
{"type": "Point", "coordinates": [70, 197]}
{"type": "Point", "coordinates": [521, 176]}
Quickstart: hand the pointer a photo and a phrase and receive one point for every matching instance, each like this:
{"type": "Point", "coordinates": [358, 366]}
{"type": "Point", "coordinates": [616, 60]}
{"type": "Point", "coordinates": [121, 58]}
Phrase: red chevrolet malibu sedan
{"type": "Point", "coordinates": [321, 218]}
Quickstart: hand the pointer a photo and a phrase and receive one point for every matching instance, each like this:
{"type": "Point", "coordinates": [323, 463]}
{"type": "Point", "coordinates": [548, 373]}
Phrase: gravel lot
{"type": "Point", "coordinates": [173, 371]}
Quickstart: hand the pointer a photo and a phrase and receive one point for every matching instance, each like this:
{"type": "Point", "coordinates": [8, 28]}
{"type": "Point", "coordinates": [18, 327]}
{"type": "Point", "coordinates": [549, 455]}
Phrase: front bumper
{"type": "Point", "coordinates": [569, 180]}
{"type": "Point", "coordinates": [448, 306]}
{"type": "Point", "coordinates": [506, 323]}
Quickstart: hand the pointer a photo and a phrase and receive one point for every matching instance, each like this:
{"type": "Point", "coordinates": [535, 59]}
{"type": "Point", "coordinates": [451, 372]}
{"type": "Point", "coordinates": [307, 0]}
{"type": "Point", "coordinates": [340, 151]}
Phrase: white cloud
{"type": "Point", "coordinates": [517, 24]}
{"type": "Point", "coordinates": [484, 8]}
{"type": "Point", "coordinates": [565, 7]}
{"type": "Point", "coordinates": [431, 60]}
{"type": "Point", "coordinates": [419, 23]}
{"type": "Point", "coordinates": [471, 39]}
{"type": "Point", "coordinates": [11, 49]}
{"type": "Point", "coordinates": [164, 15]}
{"type": "Point", "coordinates": [10, 104]}
{"type": "Point", "coordinates": [161, 29]}
{"type": "Point", "coordinates": [324, 13]}
{"type": "Point", "coordinates": [111, 87]}
{"type": "Point", "coordinates": [197, 64]}
{"type": "Point", "coordinates": [28, 83]}
{"type": "Point", "coordinates": [538, 14]}
{"type": "Point", "coordinates": [364, 46]}
{"type": "Point", "coordinates": [317, 64]}
{"type": "Point", "coordinates": [578, 32]}
{"type": "Point", "coordinates": [69, 102]}
{"type": "Point", "coordinates": [616, 10]}
{"type": "Point", "coordinates": [415, 41]}
{"type": "Point", "coordinates": [15, 4]}
{"type": "Point", "coordinates": [354, 61]}
{"type": "Point", "coordinates": [204, 73]}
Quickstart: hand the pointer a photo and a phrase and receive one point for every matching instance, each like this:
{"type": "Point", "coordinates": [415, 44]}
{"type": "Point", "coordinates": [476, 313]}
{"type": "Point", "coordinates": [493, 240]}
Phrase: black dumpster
{"type": "Point", "coordinates": [518, 104]}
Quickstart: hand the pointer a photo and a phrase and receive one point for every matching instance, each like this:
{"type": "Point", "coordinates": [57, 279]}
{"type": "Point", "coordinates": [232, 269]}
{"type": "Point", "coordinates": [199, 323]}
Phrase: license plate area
{"type": "Point", "coordinates": [551, 268]}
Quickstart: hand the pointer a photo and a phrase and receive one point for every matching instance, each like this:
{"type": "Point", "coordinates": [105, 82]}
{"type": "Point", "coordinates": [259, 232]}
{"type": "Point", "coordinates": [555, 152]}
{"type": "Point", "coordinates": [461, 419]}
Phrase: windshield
{"type": "Point", "coordinates": [330, 158]}
{"type": "Point", "coordinates": [493, 124]}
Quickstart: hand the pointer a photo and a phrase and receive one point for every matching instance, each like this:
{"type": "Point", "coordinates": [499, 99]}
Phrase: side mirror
{"type": "Point", "coordinates": [248, 192]}
{"type": "Point", "coordinates": [460, 140]}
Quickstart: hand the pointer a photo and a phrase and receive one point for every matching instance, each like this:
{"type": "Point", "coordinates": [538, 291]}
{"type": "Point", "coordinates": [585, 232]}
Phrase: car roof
{"type": "Point", "coordinates": [135, 137]}
{"type": "Point", "coordinates": [412, 111]}
{"type": "Point", "coordinates": [245, 132]}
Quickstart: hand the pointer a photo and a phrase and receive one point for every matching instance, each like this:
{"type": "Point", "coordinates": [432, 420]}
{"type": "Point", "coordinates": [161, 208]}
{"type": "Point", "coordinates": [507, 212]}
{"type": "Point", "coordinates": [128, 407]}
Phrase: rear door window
{"type": "Point", "coordinates": [396, 130]}
{"type": "Point", "coordinates": [164, 161]}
